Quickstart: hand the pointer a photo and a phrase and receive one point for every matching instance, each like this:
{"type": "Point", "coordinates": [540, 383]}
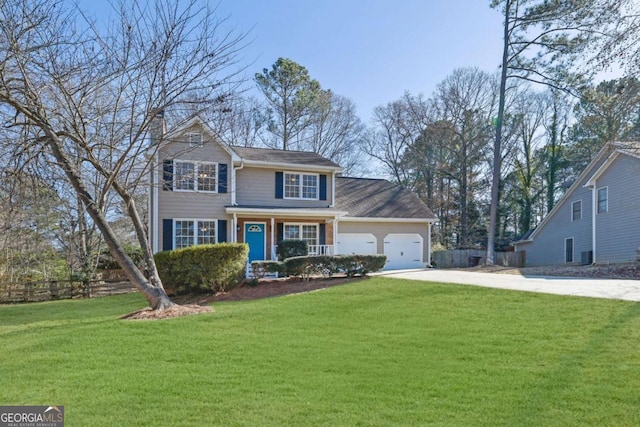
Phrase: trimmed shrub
{"type": "Point", "coordinates": [261, 268]}
{"type": "Point", "coordinates": [216, 268]}
{"type": "Point", "coordinates": [292, 248]}
{"type": "Point", "coordinates": [351, 265]}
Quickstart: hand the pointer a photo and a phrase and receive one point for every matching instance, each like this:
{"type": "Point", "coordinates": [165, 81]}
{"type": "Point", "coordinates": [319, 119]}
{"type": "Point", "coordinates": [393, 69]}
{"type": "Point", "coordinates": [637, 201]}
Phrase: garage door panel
{"type": "Point", "coordinates": [357, 243]}
{"type": "Point", "coordinates": [403, 251]}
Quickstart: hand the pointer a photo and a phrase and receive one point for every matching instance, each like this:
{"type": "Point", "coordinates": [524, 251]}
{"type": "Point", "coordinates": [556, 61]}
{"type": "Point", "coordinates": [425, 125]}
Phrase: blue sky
{"type": "Point", "coordinates": [371, 51]}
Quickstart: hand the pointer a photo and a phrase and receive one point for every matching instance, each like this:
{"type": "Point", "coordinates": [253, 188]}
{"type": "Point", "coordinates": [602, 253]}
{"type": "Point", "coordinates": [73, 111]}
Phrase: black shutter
{"type": "Point", "coordinates": [167, 234]}
{"type": "Point", "coordinates": [167, 175]}
{"type": "Point", "coordinates": [222, 230]}
{"type": "Point", "coordinates": [280, 232]}
{"type": "Point", "coordinates": [323, 232]}
{"type": "Point", "coordinates": [222, 178]}
{"type": "Point", "coordinates": [323, 188]}
{"type": "Point", "coordinates": [279, 185]}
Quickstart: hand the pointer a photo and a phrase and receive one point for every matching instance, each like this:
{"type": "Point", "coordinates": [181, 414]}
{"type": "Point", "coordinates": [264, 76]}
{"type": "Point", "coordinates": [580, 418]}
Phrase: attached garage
{"type": "Point", "coordinates": [403, 251]}
{"type": "Point", "coordinates": [356, 243]}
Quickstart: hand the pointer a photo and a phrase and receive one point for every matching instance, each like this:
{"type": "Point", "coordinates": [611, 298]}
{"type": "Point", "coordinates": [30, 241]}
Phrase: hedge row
{"type": "Point", "coordinates": [217, 267]}
{"type": "Point", "coordinates": [325, 265]}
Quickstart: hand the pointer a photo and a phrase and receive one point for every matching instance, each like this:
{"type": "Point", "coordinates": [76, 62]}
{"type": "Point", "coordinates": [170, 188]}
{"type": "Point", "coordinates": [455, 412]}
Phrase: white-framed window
{"type": "Point", "coordinates": [603, 200]}
{"type": "Point", "coordinates": [568, 250]}
{"type": "Point", "coordinates": [576, 210]}
{"type": "Point", "coordinates": [195, 139]}
{"type": "Point", "coordinates": [190, 232]}
{"type": "Point", "coordinates": [195, 176]}
{"type": "Point", "coordinates": [303, 231]}
{"type": "Point", "coordinates": [301, 186]}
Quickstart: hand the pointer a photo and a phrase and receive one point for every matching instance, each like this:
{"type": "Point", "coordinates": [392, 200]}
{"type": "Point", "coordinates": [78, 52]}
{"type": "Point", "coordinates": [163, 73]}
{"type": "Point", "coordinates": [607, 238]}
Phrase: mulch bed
{"type": "Point", "coordinates": [266, 288]}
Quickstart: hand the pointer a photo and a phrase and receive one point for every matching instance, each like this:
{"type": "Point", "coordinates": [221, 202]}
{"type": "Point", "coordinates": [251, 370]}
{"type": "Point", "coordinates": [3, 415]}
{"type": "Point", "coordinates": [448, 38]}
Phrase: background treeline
{"type": "Point", "coordinates": [437, 144]}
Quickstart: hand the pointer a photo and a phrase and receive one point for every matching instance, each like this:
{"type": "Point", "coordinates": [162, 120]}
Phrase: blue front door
{"type": "Point", "coordinates": [254, 236]}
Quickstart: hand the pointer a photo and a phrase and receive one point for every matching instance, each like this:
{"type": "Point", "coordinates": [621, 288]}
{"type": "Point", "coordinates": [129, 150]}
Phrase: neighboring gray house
{"type": "Point", "coordinates": [205, 191]}
{"type": "Point", "coordinates": [598, 218]}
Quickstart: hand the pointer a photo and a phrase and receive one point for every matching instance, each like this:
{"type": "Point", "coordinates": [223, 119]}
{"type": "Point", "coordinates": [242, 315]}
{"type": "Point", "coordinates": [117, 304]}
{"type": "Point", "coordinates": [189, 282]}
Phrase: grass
{"type": "Point", "coordinates": [381, 352]}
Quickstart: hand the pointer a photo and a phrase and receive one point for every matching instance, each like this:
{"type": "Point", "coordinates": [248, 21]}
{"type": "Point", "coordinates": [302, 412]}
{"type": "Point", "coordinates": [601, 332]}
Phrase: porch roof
{"type": "Point", "coordinates": [280, 211]}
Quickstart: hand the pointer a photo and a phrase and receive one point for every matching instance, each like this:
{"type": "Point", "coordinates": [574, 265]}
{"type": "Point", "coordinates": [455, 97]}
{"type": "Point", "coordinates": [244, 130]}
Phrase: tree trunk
{"type": "Point", "coordinates": [154, 293]}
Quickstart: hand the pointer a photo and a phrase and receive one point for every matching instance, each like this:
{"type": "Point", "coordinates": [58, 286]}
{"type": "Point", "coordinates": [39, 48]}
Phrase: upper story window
{"type": "Point", "coordinates": [576, 210]}
{"type": "Point", "coordinates": [603, 199]}
{"type": "Point", "coordinates": [195, 139]}
{"type": "Point", "coordinates": [194, 176]}
{"type": "Point", "coordinates": [300, 186]}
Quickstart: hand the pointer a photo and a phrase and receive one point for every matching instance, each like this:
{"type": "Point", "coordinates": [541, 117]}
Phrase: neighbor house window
{"type": "Point", "coordinates": [576, 210]}
{"type": "Point", "coordinates": [603, 199]}
{"type": "Point", "coordinates": [306, 232]}
{"type": "Point", "coordinates": [568, 250]}
{"type": "Point", "coordinates": [195, 139]}
{"type": "Point", "coordinates": [195, 176]}
{"type": "Point", "coordinates": [189, 232]}
{"type": "Point", "coordinates": [300, 186]}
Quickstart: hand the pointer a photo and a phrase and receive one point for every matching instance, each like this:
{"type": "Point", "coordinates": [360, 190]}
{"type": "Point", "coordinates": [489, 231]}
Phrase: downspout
{"type": "Point", "coordinates": [233, 183]}
{"type": "Point", "coordinates": [594, 209]}
{"type": "Point", "coordinates": [429, 244]}
{"type": "Point", "coordinates": [234, 228]}
{"type": "Point", "coordinates": [335, 234]}
{"type": "Point", "coordinates": [153, 218]}
{"type": "Point", "coordinates": [333, 189]}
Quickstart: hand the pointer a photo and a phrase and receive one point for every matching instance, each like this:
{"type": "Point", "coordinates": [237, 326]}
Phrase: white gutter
{"type": "Point", "coordinates": [333, 189]}
{"type": "Point", "coordinates": [153, 218]}
{"type": "Point", "coordinates": [233, 182]}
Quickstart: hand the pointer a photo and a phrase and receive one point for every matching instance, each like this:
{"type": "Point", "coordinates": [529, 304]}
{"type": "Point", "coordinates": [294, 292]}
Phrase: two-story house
{"type": "Point", "coordinates": [205, 191]}
{"type": "Point", "coordinates": [596, 221]}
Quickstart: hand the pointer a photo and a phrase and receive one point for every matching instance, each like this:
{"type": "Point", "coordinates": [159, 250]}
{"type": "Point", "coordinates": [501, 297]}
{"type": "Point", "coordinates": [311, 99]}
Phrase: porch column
{"type": "Point", "coordinates": [272, 237]}
{"type": "Point", "coordinates": [429, 244]}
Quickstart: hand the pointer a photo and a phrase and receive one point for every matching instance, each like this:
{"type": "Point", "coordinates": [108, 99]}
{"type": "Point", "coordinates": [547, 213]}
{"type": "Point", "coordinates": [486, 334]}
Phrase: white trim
{"type": "Point", "coordinates": [573, 203]}
{"type": "Point", "coordinates": [573, 250]}
{"type": "Point", "coordinates": [196, 164]}
{"type": "Point", "coordinates": [299, 212]}
{"type": "Point", "coordinates": [283, 165]}
{"type": "Point", "coordinates": [195, 235]}
{"type": "Point", "coordinates": [374, 219]}
{"type": "Point", "coordinates": [301, 176]}
{"type": "Point", "coordinates": [606, 187]}
{"type": "Point", "coordinates": [153, 218]}
{"type": "Point", "coordinates": [594, 210]}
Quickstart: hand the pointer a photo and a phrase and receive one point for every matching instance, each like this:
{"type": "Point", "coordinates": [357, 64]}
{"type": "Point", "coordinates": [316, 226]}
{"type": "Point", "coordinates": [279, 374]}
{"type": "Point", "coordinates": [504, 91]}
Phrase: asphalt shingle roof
{"type": "Point", "coordinates": [281, 156]}
{"type": "Point", "coordinates": [378, 198]}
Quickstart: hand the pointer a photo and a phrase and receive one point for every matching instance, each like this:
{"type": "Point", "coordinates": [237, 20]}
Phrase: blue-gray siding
{"type": "Point", "coordinates": [618, 229]}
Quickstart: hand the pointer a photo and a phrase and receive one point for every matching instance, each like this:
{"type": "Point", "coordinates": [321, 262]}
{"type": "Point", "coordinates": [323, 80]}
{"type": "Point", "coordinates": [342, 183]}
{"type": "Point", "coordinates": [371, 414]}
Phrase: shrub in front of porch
{"type": "Point", "coordinates": [292, 248]}
{"type": "Point", "coordinates": [216, 267]}
{"type": "Point", "coordinates": [326, 265]}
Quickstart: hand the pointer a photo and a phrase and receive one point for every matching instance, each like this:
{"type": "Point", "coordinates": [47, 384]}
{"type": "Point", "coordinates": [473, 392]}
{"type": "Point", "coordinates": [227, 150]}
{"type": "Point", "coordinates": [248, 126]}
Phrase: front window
{"type": "Point", "coordinates": [306, 232]}
{"type": "Point", "coordinates": [195, 176]}
{"type": "Point", "coordinates": [189, 232]}
{"type": "Point", "coordinates": [300, 186]}
{"type": "Point", "coordinates": [576, 210]}
{"type": "Point", "coordinates": [603, 199]}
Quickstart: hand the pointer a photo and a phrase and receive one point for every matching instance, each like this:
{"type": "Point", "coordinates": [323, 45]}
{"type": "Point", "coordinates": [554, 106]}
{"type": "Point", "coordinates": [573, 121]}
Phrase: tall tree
{"type": "Point", "coordinates": [543, 40]}
{"type": "Point", "coordinates": [291, 95]}
{"type": "Point", "coordinates": [85, 97]}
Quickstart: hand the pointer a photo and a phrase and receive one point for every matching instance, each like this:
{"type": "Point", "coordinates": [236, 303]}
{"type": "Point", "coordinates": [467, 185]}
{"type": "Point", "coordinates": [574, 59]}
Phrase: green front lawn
{"type": "Point", "coordinates": [379, 352]}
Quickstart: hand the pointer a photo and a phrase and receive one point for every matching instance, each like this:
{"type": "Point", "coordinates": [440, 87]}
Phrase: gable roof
{"type": "Point", "coordinates": [270, 157]}
{"type": "Point", "coordinates": [601, 161]}
{"type": "Point", "coordinates": [378, 198]}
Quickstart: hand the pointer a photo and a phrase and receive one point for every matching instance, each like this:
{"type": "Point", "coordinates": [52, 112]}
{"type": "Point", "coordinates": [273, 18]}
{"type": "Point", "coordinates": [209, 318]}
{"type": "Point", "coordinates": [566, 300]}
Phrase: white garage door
{"type": "Point", "coordinates": [403, 251]}
{"type": "Point", "coordinates": [357, 243]}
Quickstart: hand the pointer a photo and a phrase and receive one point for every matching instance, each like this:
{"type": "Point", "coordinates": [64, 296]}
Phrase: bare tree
{"type": "Point", "coordinates": [86, 98]}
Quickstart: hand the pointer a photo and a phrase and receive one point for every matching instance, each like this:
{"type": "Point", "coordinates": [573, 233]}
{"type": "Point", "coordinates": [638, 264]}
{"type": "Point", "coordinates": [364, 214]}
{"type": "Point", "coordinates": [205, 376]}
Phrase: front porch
{"type": "Point", "coordinates": [263, 235]}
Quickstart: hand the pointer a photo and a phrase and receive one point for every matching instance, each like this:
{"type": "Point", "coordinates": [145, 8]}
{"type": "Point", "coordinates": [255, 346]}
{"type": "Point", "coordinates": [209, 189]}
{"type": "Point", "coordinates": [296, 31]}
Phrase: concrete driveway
{"type": "Point", "coordinates": [628, 290]}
